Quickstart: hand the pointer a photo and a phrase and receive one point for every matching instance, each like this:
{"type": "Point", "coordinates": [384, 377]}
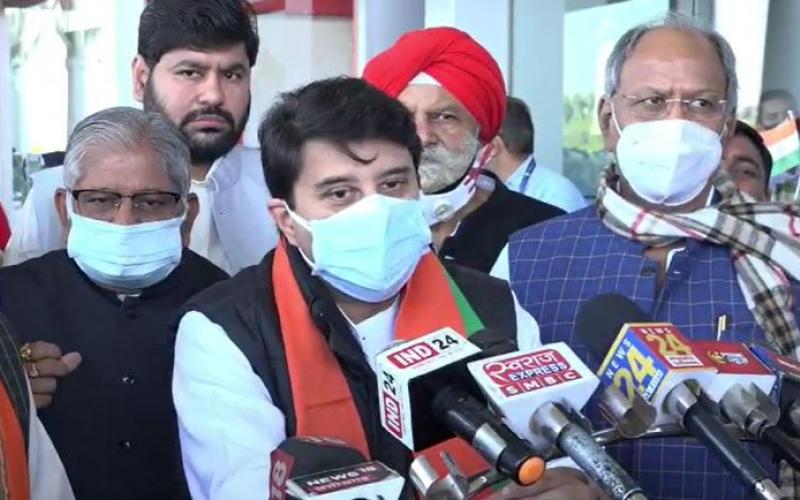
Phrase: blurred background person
{"type": "Point", "coordinates": [748, 161]}
{"type": "Point", "coordinates": [514, 163]}
{"type": "Point", "coordinates": [774, 107]}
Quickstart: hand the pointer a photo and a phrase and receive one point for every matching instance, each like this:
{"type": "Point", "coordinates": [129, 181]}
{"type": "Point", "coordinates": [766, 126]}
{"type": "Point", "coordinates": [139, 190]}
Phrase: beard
{"type": "Point", "coordinates": [440, 168]}
{"type": "Point", "coordinates": [205, 146]}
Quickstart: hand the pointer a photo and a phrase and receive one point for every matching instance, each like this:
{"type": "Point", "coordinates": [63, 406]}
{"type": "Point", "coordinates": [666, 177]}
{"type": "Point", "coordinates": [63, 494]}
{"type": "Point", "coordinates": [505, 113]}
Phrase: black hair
{"type": "Point", "coordinates": [339, 110]}
{"type": "Point", "coordinates": [750, 133]}
{"type": "Point", "coordinates": [167, 25]}
{"type": "Point", "coordinates": [517, 131]}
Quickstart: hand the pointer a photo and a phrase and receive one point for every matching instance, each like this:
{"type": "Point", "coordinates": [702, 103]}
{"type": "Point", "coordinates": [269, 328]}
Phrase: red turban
{"type": "Point", "coordinates": [464, 68]}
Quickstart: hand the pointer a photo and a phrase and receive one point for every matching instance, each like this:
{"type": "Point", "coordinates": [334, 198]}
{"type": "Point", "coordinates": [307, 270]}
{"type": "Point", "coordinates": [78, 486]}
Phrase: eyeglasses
{"type": "Point", "coordinates": [654, 107]}
{"type": "Point", "coordinates": [147, 206]}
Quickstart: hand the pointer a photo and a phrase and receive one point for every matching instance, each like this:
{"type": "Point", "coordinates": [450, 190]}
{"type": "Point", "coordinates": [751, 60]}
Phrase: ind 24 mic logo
{"type": "Point", "coordinates": [530, 372]}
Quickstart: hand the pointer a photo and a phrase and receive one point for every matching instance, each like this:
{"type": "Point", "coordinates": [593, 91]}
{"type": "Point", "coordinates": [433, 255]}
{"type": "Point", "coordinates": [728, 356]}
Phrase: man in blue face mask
{"type": "Point", "coordinates": [287, 348]}
{"type": "Point", "coordinates": [109, 300]}
{"type": "Point", "coordinates": [670, 231]}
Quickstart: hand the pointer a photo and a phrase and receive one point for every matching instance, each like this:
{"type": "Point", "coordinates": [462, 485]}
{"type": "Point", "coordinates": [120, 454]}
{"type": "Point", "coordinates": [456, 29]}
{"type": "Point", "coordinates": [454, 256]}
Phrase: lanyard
{"type": "Point", "coordinates": [527, 175]}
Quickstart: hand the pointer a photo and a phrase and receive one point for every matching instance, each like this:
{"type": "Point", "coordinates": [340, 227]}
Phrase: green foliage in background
{"type": "Point", "coordinates": [580, 125]}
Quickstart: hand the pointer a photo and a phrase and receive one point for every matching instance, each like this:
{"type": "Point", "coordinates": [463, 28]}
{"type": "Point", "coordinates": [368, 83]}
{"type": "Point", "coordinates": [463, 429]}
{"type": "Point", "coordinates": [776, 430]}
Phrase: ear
{"type": "Point", "coordinates": [730, 130]}
{"type": "Point", "coordinates": [60, 200]}
{"type": "Point", "coordinates": [283, 220]}
{"type": "Point", "coordinates": [140, 72]}
{"type": "Point", "coordinates": [607, 128]}
{"type": "Point", "coordinates": [192, 208]}
{"type": "Point", "coordinates": [498, 146]}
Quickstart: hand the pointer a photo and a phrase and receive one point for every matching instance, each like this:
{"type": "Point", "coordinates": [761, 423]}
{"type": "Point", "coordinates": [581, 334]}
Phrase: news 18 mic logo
{"type": "Point", "coordinates": [530, 372]}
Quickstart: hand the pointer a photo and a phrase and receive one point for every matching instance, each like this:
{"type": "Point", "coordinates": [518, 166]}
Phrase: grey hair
{"type": "Point", "coordinates": [625, 46]}
{"type": "Point", "coordinates": [124, 129]}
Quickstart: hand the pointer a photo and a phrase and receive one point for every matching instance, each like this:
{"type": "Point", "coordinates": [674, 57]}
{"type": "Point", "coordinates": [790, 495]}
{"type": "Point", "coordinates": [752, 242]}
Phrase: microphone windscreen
{"type": "Point", "coordinates": [601, 318]}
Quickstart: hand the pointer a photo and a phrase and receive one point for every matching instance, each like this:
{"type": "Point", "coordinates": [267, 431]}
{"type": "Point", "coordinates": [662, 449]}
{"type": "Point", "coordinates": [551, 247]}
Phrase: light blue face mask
{"type": "Point", "coordinates": [370, 249]}
{"type": "Point", "coordinates": [124, 257]}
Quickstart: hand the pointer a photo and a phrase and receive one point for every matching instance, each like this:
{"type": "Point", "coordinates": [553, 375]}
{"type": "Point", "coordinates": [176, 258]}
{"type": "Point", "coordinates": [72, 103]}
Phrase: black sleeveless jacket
{"type": "Point", "coordinates": [245, 308]}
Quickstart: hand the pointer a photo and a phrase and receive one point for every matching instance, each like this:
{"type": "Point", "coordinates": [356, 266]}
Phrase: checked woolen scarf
{"type": "Point", "coordinates": [763, 238]}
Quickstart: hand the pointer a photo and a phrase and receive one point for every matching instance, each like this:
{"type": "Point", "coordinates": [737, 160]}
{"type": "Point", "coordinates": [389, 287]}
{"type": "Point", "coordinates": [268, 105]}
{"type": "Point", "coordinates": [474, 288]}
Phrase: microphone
{"type": "Point", "coordinates": [427, 397]}
{"type": "Point", "coordinates": [323, 468]}
{"type": "Point", "coordinates": [658, 362]}
{"type": "Point", "coordinates": [539, 394]}
{"type": "Point", "coordinates": [741, 388]}
{"type": "Point", "coordinates": [788, 391]}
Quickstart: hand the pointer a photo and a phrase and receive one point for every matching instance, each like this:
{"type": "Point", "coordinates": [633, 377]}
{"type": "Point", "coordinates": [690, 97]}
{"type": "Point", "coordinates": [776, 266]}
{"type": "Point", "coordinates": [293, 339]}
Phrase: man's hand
{"type": "Point", "coordinates": [44, 365]}
{"type": "Point", "coordinates": [558, 483]}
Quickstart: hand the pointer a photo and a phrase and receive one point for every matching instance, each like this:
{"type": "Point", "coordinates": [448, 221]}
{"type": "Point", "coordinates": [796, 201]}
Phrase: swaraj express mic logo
{"type": "Point", "coordinates": [530, 372]}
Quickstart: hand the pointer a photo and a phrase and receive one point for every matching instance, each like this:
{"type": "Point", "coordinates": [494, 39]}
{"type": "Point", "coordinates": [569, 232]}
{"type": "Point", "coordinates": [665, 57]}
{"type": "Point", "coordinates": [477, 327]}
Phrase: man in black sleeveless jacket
{"type": "Point", "coordinates": [110, 302]}
{"type": "Point", "coordinates": [287, 348]}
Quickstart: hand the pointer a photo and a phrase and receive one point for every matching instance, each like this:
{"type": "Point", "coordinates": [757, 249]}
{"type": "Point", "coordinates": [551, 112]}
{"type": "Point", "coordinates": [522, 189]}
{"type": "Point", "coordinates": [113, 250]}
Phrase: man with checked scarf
{"type": "Point", "coordinates": [670, 231]}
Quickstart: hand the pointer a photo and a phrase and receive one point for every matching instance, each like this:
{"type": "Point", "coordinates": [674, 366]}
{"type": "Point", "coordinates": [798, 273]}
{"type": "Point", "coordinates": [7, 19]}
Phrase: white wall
{"type": "Point", "coordinates": [746, 31]}
{"type": "Point", "coordinates": [5, 115]}
{"type": "Point", "coordinates": [782, 63]}
{"type": "Point", "coordinates": [379, 24]}
{"type": "Point", "coordinates": [487, 22]}
{"type": "Point", "coordinates": [537, 71]}
{"type": "Point", "coordinates": [296, 50]}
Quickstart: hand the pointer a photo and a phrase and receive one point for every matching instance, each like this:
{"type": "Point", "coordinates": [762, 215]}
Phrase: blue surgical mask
{"type": "Point", "coordinates": [370, 249]}
{"type": "Point", "coordinates": [125, 257]}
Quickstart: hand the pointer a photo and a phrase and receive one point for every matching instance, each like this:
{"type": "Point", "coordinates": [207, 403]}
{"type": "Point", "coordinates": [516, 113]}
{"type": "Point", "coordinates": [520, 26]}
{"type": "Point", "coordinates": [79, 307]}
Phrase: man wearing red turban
{"type": "Point", "coordinates": [456, 92]}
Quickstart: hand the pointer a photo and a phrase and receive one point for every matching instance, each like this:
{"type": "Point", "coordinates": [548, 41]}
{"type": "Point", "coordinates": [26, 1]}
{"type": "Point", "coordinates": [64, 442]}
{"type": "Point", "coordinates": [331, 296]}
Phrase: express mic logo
{"type": "Point", "coordinates": [530, 372]}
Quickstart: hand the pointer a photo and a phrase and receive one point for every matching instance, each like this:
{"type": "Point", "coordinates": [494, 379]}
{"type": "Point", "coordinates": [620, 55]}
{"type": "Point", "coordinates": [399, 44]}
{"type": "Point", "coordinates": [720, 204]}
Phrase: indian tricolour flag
{"type": "Point", "coordinates": [783, 143]}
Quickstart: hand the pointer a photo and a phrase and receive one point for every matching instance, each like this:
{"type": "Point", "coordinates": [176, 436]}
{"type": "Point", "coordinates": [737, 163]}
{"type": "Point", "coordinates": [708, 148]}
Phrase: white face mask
{"type": "Point", "coordinates": [369, 250]}
{"type": "Point", "coordinates": [124, 257]}
{"type": "Point", "coordinates": [667, 162]}
{"type": "Point", "coordinates": [443, 206]}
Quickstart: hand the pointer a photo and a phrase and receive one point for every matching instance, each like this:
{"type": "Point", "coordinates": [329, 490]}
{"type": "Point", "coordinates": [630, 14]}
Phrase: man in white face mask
{"type": "Point", "coordinates": [287, 348]}
{"type": "Point", "coordinates": [670, 231]}
{"type": "Point", "coordinates": [97, 318]}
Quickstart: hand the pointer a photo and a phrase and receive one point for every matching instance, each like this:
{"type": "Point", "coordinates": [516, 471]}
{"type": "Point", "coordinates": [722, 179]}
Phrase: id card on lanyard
{"type": "Point", "coordinates": [526, 176]}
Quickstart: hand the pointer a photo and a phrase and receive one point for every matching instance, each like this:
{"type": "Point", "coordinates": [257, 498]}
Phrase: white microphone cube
{"type": "Point", "coordinates": [518, 383]}
{"type": "Point", "coordinates": [399, 366]}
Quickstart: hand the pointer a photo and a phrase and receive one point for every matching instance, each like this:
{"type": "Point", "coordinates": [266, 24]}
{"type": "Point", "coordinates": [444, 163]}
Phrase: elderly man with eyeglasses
{"type": "Point", "coordinates": [97, 319]}
{"type": "Point", "coordinates": [671, 232]}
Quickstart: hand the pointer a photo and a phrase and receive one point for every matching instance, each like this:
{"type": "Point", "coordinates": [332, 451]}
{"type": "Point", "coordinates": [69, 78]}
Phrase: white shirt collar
{"type": "Point", "coordinates": [515, 178]}
{"type": "Point", "coordinates": [376, 333]}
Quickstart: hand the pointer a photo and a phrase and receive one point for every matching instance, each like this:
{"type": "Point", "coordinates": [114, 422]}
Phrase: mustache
{"type": "Point", "coordinates": [215, 111]}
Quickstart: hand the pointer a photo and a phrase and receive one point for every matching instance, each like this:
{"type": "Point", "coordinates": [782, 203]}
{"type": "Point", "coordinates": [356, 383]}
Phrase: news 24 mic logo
{"type": "Point", "coordinates": [530, 372]}
{"type": "Point", "coordinates": [644, 355]}
{"type": "Point", "coordinates": [401, 364]}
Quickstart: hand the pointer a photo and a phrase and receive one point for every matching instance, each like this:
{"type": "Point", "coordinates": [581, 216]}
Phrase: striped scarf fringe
{"type": "Point", "coordinates": [763, 239]}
